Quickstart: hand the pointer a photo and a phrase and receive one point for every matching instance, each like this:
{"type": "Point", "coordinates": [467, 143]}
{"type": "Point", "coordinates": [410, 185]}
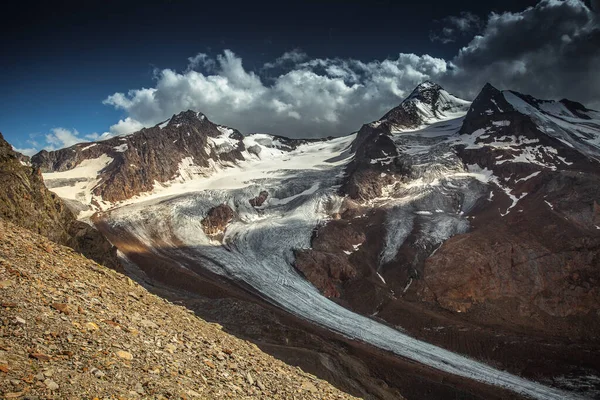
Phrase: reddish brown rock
{"type": "Point", "coordinates": [324, 270]}
{"type": "Point", "coordinates": [260, 199]}
{"type": "Point", "coordinates": [217, 219]}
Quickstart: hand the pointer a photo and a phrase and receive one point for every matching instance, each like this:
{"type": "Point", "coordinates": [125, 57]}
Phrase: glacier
{"type": "Point", "coordinates": [257, 248]}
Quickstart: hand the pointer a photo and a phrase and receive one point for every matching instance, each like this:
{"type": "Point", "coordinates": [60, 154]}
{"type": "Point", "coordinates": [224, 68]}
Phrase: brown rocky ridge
{"type": "Point", "coordinates": [25, 200]}
{"type": "Point", "coordinates": [71, 328]}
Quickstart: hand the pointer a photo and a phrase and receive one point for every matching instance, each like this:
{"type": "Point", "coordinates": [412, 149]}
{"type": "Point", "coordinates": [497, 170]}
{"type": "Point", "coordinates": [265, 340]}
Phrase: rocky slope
{"type": "Point", "coordinates": [26, 201]}
{"type": "Point", "coordinates": [71, 328]}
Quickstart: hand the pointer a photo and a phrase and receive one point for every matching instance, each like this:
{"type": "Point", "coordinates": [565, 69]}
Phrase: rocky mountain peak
{"type": "Point", "coordinates": [426, 92]}
{"type": "Point", "coordinates": [428, 103]}
{"type": "Point", "coordinates": [6, 151]}
{"type": "Point", "coordinates": [490, 101]}
{"type": "Point", "coordinates": [189, 117]}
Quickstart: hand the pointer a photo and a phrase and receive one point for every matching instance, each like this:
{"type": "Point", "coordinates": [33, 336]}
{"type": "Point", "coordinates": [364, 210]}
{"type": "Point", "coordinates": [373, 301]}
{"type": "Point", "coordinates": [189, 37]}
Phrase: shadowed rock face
{"type": "Point", "coordinates": [327, 264]}
{"type": "Point", "coordinates": [25, 201]}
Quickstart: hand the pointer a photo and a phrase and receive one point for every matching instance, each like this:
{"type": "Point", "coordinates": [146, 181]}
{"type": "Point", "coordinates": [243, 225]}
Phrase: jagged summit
{"type": "Point", "coordinates": [551, 134]}
{"type": "Point", "coordinates": [428, 103]}
{"type": "Point", "coordinates": [425, 91]}
{"type": "Point", "coordinates": [189, 117]}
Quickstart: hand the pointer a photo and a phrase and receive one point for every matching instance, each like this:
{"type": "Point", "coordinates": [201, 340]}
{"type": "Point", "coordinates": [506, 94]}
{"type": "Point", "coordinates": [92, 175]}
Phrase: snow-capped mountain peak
{"type": "Point", "coordinates": [428, 103]}
{"type": "Point", "coordinates": [188, 117]}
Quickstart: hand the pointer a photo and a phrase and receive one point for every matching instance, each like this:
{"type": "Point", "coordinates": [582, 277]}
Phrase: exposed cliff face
{"type": "Point", "coordinates": [25, 201]}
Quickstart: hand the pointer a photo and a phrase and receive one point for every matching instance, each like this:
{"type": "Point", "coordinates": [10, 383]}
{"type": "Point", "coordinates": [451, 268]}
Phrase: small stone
{"type": "Point", "coordinates": [63, 308]}
{"type": "Point", "coordinates": [40, 356]}
{"type": "Point", "coordinates": [148, 324]}
{"type": "Point", "coordinates": [209, 363]}
{"type": "Point", "coordinates": [19, 321]}
{"type": "Point", "coordinates": [170, 348]}
{"type": "Point", "coordinates": [124, 355]}
{"type": "Point", "coordinates": [40, 376]}
{"type": "Point", "coordinates": [4, 368]}
{"type": "Point", "coordinates": [51, 385]}
{"type": "Point", "coordinates": [249, 377]}
{"type": "Point", "coordinates": [260, 385]}
{"type": "Point", "coordinates": [193, 393]}
{"type": "Point", "coordinates": [5, 284]}
{"type": "Point", "coordinates": [309, 387]}
{"type": "Point", "coordinates": [139, 388]}
{"type": "Point", "coordinates": [13, 395]}
{"type": "Point", "coordinates": [90, 326]}
{"type": "Point", "coordinates": [98, 374]}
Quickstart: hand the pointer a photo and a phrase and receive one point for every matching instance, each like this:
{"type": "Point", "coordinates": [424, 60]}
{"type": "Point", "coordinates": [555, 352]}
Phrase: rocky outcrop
{"type": "Point", "coordinates": [54, 300]}
{"type": "Point", "coordinates": [216, 219]}
{"type": "Point", "coordinates": [25, 201]}
{"type": "Point", "coordinates": [260, 199]}
{"type": "Point", "coordinates": [324, 270]}
{"type": "Point", "coordinates": [326, 264]}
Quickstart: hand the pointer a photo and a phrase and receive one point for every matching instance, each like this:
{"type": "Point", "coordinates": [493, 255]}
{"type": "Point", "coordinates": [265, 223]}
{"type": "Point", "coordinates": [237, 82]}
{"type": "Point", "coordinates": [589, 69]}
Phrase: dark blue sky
{"type": "Point", "coordinates": [60, 61]}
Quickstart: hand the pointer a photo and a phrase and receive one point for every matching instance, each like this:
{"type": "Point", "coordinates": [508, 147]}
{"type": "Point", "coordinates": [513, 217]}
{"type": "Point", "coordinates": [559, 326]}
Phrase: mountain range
{"type": "Point", "coordinates": [462, 237]}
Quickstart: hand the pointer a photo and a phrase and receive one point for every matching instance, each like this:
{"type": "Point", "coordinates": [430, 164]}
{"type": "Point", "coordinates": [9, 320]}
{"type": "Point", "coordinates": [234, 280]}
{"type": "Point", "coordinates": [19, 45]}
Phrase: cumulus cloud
{"type": "Point", "coordinates": [61, 137]}
{"type": "Point", "coordinates": [550, 50]}
{"type": "Point", "coordinates": [123, 127]}
{"type": "Point", "coordinates": [314, 98]}
{"type": "Point", "coordinates": [456, 26]}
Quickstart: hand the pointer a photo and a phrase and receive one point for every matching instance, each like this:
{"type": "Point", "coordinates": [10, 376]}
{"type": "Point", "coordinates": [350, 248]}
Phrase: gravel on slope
{"type": "Point", "coordinates": [71, 329]}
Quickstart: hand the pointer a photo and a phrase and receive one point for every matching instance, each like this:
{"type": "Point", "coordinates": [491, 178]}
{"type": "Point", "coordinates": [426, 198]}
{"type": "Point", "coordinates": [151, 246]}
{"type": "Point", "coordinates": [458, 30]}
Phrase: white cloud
{"type": "Point", "coordinates": [61, 137]}
{"type": "Point", "coordinates": [288, 58]}
{"type": "Point", "coordinates": [26, 151]}
{"type": "Point", "coordinates": [313, 98]}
